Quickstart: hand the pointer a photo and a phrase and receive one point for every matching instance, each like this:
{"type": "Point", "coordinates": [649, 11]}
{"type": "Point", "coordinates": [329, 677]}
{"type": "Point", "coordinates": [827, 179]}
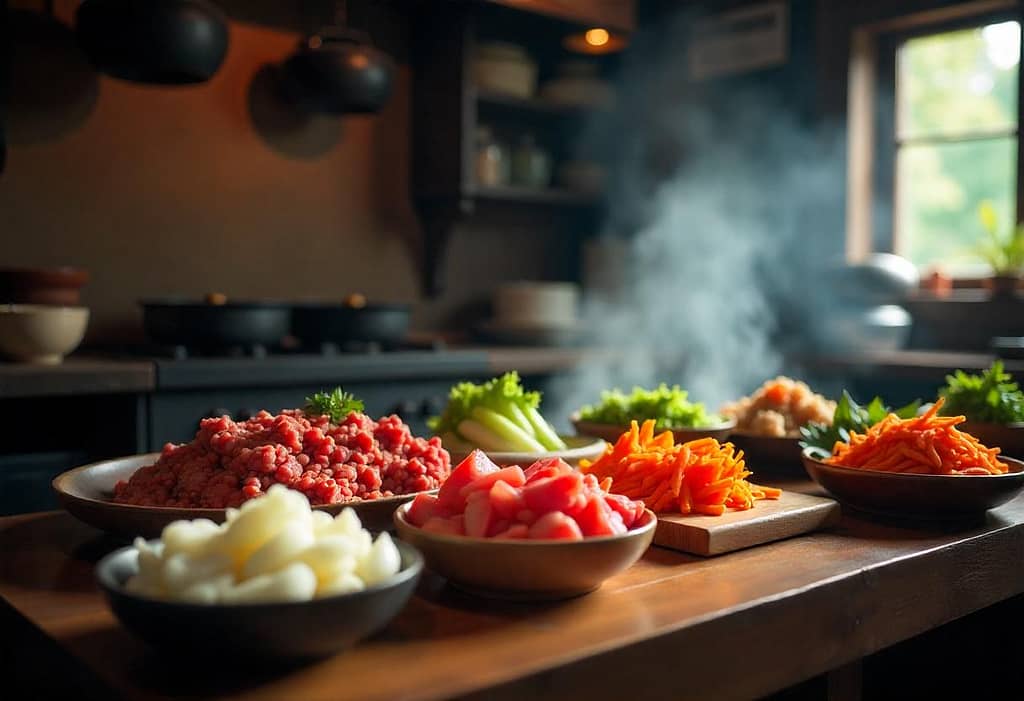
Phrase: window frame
{"type": "Point", "coordinates": [884, 142]}
{"type": "Point", "coordinates": [887, 144]}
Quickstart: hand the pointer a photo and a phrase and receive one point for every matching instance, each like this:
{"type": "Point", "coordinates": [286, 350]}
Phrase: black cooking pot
{"type": "Point", "coordinates": [153, 41]}
{"type": "Point", "coordinates": [317, 323]}
{"type": "Point", "coordinates": [202, 325]}
{"type": "Point", "coordinates": [338, 71]}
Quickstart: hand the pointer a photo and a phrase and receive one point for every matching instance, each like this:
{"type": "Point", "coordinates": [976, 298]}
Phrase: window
{"type": "Point", "coordinates": [955, 141]}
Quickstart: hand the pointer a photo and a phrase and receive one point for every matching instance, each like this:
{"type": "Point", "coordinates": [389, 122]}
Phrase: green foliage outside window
{"type": "Point", "coordinates": [957, 147]}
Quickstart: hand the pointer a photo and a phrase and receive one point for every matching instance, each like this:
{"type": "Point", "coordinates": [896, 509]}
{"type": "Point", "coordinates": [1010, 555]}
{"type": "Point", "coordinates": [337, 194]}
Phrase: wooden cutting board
{"type": "Point", "coordinates": [789, 515]}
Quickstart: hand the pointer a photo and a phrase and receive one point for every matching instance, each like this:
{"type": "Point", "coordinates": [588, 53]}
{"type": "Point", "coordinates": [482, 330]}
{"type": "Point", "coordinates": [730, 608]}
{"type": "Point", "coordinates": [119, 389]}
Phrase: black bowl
{"type": "Point", "coordinates": [285, 632]}
{"type": "Point", "coordinates": [777, 456]}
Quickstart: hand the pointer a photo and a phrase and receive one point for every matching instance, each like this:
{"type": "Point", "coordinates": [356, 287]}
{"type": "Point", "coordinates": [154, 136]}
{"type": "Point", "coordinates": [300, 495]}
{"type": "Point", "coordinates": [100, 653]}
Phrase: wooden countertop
{"type": "Point", "coordinates": [736, 626]}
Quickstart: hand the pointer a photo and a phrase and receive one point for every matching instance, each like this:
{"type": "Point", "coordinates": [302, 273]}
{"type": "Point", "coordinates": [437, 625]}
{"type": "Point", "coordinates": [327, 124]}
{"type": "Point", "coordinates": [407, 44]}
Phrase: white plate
{"type": "Point", "coordinates": [579, 448]}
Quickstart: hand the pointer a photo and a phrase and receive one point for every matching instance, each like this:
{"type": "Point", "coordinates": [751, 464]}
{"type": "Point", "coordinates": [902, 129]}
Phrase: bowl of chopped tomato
{"type": "Point", "coordinates": [544, 533]}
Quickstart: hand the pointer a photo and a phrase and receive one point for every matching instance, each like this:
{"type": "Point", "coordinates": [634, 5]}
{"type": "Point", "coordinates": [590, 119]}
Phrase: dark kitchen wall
{"type": "Point", "coordinates": [808, 91]}
{"type": "Point", "coordinates": [185, 190]}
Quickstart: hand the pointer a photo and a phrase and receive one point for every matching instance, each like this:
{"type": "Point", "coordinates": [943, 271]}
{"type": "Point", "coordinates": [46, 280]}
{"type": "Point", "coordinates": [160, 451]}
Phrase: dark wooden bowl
{"type": "Point", "coordinates": [269, 632]}
{"type": "Point", "coordinates": [935, 497]}
{"type": "Point", "coordinates": [58, 286]}
{"type": "Point", "coordinates": [611, 432]}
{"type": "Point", "coordinates": [528, 570]}
{"type": "Point", "coordinates": [770, 455]}
{"type": "Point", "coordinates": [87, 493]}
{"type": "Point", "coordinates": [1008, 437]}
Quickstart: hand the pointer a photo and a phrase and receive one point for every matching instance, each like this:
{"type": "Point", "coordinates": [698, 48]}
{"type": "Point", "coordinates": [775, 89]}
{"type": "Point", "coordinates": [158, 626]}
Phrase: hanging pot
{"type": "Point", "coordinates": [338, 71]}
{"type": "Point", "coordinates": [154, 41]}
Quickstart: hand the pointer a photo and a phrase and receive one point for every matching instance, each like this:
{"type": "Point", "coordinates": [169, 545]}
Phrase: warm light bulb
{"type": "Point", "coordinates": [597, 37]}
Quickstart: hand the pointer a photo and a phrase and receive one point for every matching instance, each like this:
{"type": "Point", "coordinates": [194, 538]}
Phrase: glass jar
{"type": "Point", "coordinates": [531, 165]}
{"type": "Point", "coordinates": [492, 160]}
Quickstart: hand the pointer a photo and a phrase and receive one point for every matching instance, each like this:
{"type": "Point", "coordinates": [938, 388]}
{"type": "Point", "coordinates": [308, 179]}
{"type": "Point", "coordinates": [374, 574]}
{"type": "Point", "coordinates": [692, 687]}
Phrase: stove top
{"type": "Point", "coordinates": [187, 352]}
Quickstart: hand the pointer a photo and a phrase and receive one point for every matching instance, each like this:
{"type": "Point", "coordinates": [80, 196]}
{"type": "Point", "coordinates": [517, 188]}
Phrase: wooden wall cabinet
{"type": "Point", "coordinates": [447, 108]}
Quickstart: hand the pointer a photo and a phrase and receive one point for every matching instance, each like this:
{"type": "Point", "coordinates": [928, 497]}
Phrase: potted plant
{"type": "Point", "coordinates": [1005, 254]}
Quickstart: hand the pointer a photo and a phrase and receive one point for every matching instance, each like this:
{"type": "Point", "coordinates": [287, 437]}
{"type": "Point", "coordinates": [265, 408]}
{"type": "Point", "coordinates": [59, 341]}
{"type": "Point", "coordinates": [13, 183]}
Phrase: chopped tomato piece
{"type": "Point", "coordinates": [553, 493]}
{"type": "Point", "coordinates": [445, 526]}
{"type": "Point", "coordinates": [625, 507]}
{"type": "Point", "coordinates": [479, 516]}
{"type": "Point", "coordinates": [556, 466]}
{"type": "Point", "coordinates": [516, 530]}
{"type": "Point", "coordinates": [475, 466]}
{"type": "Point", "coordinates": [506, 500]}
{"type": "Point", "coordinates": [512, 475]}
{"type": "Point", "coordinates": [556, 525]}
{"type": "Point", "coordinates": [597, 519]}
{"type": "Point", "coordinates": [422, 508]}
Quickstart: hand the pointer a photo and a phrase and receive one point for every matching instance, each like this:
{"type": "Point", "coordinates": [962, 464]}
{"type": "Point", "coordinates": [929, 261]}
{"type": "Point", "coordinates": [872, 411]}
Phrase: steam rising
{"type": "Point", "coordinates": [724, 210]}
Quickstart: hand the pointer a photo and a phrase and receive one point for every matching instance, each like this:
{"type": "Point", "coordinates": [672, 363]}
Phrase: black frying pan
{"type": "Point", "coordinates": [205, 325]}
{"type": "Point", "coordinates": [316, 323]}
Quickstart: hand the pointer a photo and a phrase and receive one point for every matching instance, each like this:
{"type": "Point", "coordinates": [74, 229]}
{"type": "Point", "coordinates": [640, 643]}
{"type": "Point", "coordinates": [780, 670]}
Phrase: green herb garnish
{"type": "Point", "coordinates": [335, 405]}
{"type": "Point", "coordinates": [991, 397]}
{"type": "Point", "coordinates": [850, 416]}
{"type": "Point", "coordinates": [668, 406]}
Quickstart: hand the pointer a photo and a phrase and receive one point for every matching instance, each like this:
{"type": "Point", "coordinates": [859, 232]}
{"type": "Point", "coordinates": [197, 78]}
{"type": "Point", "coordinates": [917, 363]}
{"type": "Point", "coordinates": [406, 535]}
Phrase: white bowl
{"type": "Point", "coordinates": [35, 333]}
{"type": "Point", "coordinates": [532, 304]}
{"type": "Point", "coordinates": [577, 448]}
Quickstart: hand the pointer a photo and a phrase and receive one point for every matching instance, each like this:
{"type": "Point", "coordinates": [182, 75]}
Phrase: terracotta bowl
{"type": "Point", "coordinates": [611, 432]}
{"type": "Point", "coordinates": [1008, 437]}
{"type": "Point", "coordinates": [527, 570]}
{"type": "Point", "coordinates": [579, 448]}
{"type": "Point", "coordinates": [60, 286]}
{"type": "Point", "coordinates": [917, 496]}
{"type": "Point", "coordinates": [87, 493]}
{"type": "Point", "coordinates": [270, 632]}
{"type": "Point", "coordinates": [34, 333]}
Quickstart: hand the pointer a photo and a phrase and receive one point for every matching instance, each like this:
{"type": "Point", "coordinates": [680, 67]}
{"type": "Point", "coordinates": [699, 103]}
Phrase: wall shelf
{"type": "Point", "coordinates": [532, 105]}
{"type": "Point", "coordinates": [448, 108]}
{"type": "Point", "coordinates": [524, 195]}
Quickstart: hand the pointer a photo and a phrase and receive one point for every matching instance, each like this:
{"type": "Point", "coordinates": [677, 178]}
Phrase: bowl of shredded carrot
{"type": "Point", "coordinates": [701, 476]}
{"type": "Point", "coordinates": [923, 466]}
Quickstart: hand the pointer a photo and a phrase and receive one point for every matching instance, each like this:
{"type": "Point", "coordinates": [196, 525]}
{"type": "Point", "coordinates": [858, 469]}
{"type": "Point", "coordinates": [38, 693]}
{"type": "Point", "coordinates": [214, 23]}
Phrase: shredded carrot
{"type": "Point", "coordinates": [926, 444]}
{"type": "Point", "coordinates": [698, 477]}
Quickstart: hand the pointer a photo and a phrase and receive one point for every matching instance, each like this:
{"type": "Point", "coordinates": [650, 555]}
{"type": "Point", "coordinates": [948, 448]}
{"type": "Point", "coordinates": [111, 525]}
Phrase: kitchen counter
{"type": "Point", "coordinates": [87, 375]}
{"type": "Point", "coordinates": [76, 376]}
{"type": "Point", "coordinates": [736, 626]}
{"type": "Point", "coordinates": [906, 363]}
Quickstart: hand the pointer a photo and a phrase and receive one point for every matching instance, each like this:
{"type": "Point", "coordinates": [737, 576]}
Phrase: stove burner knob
{"type": "Point", "coordinates": [246, 414]}
{"type": "Point", "coordinates": [213, 413]}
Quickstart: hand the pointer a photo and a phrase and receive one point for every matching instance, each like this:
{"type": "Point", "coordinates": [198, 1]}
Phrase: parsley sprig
{"type": "Point", "coordinates": [335, 405]}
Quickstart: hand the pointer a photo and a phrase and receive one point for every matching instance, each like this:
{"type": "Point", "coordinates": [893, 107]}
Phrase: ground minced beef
{"type": "Point", "coordinates": [229, 462]}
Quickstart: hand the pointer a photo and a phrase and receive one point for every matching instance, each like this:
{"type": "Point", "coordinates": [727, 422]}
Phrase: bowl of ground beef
{"type": "Point", "coordinates": [373, 466]}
